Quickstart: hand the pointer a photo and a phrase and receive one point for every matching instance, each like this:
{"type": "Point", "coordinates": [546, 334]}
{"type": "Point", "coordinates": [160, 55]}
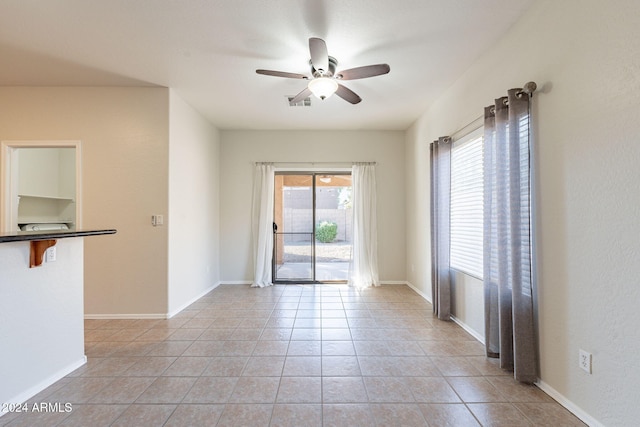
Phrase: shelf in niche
{"type": "Point", "coordinates": [34, 196]}
{"type": "Point", "coordinates": [25, 221]}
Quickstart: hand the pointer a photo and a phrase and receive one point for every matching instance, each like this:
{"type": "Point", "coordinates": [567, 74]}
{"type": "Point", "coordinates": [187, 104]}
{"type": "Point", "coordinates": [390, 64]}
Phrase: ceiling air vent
{"type": "Point", "coordinates": [304, 103]}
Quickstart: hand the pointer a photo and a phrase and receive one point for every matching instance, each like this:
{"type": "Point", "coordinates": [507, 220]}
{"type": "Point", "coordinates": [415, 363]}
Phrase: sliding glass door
{"type": "Point", "coordinates": [312, 227]}
{"type": "Point", "coordinates": [293, 228]}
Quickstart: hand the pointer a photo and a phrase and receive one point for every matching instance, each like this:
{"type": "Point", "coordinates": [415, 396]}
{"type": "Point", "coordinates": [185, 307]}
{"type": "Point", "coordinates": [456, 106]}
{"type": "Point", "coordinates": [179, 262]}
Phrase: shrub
{"type": "Point", "coordinates": [326, 231]}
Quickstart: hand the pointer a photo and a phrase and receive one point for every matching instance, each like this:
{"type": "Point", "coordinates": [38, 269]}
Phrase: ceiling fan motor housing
{"type": "Point", "coordinates": [333, 63]}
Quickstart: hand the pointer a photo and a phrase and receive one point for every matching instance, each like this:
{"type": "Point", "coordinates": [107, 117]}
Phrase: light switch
{"type": "Point", "coordinates": [157, 220]}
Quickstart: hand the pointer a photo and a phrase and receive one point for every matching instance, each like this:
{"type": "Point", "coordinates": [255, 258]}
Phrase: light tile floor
{"type": "Point", "coordinates": [311, 355]}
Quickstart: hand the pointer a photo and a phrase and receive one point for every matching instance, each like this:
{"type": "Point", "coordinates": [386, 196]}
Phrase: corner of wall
{"type": "Point", "coordinates": [194, 191]}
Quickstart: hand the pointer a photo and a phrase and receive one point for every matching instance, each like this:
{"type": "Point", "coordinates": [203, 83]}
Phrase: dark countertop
{"type": "Point", "coordinates": [27, 236]}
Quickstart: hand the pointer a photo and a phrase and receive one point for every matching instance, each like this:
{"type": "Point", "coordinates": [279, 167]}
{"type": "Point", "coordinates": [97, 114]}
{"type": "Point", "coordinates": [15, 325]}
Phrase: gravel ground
{"type": "Point", "coordinates": [325, 252]}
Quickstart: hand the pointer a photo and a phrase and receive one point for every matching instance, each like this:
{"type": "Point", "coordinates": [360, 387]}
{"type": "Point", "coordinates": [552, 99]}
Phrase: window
{"type": "Point", "coordinates": [466, 204]}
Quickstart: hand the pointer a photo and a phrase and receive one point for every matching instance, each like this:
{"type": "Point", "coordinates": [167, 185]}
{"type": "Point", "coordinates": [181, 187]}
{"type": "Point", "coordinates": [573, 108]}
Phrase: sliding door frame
{"type": "Point", "coordinates": [314, 174]}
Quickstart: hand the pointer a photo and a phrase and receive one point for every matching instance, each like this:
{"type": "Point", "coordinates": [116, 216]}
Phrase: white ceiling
{"type": "Point", "coordinates": [208, 51]}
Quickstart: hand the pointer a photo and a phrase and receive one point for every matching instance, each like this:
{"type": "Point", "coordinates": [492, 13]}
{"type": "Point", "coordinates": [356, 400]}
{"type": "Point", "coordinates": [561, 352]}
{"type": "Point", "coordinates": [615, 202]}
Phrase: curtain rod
{"type": "Point", "coordinates": [316, 163]}
{"type": "Point", "coordinates": [528, 88]}
{"type": "Point", "coordinates": [474, 124]}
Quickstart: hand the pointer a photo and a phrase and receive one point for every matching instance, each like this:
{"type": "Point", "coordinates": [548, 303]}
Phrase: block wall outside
{"type": "Point", "coordinates": [300, 221]}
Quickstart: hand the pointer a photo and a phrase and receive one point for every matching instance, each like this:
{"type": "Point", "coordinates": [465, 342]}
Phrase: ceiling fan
{"type": "Point", "coordinates": [324, 80]}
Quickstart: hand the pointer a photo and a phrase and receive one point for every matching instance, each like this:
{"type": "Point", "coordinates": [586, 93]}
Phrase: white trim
{"type": "Point", "coordinates": [419, 292]}
{"type": "Point", "coordinates": [57, 376]}
{"type": "Point", "coordinates": [188, 303]}
{"type": "Point", "coordinates": [459, 322]}
{"type": "Point", "coordinates": [569, 405]}
{"type": "Point", "coordinates": [108, 316]}
{"type": "Point", "coordinates": [24, 396]}
{"type": "Point", "coordinates": [546, 388]}
{"type": "Point", "coordinates": [152, 315]}
{"type": "Point", "coordinates": [7, 150]}
{"type": "Point", "coordinates": [126, 316]}
{"type": "Point", "coordinates": [468, 328]}
{"type": "Point", "coordinates": [393, 282]}
{"type": "Point", "coordinates": [249, 282]}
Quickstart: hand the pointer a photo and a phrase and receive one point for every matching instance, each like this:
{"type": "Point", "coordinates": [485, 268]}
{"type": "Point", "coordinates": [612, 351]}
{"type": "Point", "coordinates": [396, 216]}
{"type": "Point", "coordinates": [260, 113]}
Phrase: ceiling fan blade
{"type": "Point", "coordinates": [319, 54]}
{"type": "Point", "coordinates": [282, 74]}
{"type": "Point", "coordinates": [301, 96]}
{"type": "Point", "coordinates": [347, 94]}
{"type": "Point", "coordinates": [363, 72]}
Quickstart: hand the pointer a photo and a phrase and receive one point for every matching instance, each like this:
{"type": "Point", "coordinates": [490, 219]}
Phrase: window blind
{"type": "Point", "coordinates": [466, 205]}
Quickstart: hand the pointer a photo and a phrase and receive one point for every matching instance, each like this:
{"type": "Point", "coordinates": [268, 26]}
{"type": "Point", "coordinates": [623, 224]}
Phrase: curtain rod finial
{"type": "Point", "coordinates": [529, 87]}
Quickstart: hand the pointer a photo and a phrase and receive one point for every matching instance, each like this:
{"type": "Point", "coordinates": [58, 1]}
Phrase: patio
{"type": "Point", "coordinates": [332, 262]}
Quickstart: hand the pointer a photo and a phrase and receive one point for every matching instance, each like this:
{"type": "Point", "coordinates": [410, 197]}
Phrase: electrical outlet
{"type": "Point", "coordinates": [584, 361]}
{"type": "Point", "coordinates": [50, 254]}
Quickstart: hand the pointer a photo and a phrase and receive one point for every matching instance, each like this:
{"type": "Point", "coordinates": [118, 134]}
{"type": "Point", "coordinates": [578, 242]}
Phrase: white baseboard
{"type": "Point", "coordinates": [555, 395]}
{"type": "Point", "coordinates": [459, 322]}
{"type": "Point", "coordinates": [32, 391]}
{"type": "Point", "coordinates": [151, 315]}
{"type": "Point", "coordinates": [187, 304]}
{"type": "Point", "coordinates": [393, 282]}
{"type": "Point", "coordinates": [126, 316]}
{"type": "Point", "coordinates": [467, 328]}
{"type": "Point", "coordinates": [419, 292]}
{"type": "Point", "coordinates": [249, 282]}
{"type": "Point", "coordinates": [569, 405]}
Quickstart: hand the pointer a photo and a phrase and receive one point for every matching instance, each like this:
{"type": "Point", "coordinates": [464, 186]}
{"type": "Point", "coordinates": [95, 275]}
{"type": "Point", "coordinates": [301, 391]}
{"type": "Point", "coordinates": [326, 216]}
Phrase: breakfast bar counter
{"type": "Point", "coordinates": [26, 236]}
{"type": "Point", "coordinates": [41, 309]}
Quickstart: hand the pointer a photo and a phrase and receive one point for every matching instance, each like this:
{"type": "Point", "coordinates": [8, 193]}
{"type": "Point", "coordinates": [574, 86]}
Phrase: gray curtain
{"type": "Point", "coordinates": [440, 208]}
{"type": "Point", "coordinates": [508, 284]}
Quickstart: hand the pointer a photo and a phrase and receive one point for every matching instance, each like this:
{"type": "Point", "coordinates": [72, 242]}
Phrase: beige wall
{"type": "Point", "coordinates": [194, 193]}
{"type": "Point", "coordinates": [124, 134]}
{"type": "Point", "coordinates": [584, 57]}
{"type": "Point", "coordinates": [240, 149]}
{"type": "Point", "coordinates": [47, 172]}
{"type": "Point", "coordinates": [467, 307]}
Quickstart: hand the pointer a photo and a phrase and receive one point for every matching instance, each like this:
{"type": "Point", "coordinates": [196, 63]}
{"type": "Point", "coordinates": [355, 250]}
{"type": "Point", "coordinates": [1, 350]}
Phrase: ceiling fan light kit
{"type": "Point", "coordinates": [324, 82]}
{"type": "Point", "coordinates": [323, 87]}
